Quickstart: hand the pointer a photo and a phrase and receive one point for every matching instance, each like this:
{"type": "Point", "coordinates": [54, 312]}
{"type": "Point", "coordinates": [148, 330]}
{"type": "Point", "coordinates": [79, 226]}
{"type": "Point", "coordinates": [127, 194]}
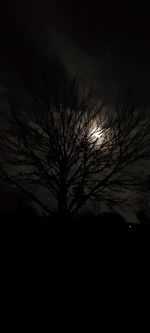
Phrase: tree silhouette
{"type": "Point", "coordinates": [73, 147]}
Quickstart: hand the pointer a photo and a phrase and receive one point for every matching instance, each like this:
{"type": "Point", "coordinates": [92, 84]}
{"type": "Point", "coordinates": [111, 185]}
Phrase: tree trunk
{"type": "Point", "coordinates": [62, 210]}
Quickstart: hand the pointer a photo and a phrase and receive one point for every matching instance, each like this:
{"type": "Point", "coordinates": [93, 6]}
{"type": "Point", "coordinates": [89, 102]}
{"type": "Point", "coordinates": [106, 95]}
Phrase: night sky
{"type": "Point", "coordinates": [104, 42]}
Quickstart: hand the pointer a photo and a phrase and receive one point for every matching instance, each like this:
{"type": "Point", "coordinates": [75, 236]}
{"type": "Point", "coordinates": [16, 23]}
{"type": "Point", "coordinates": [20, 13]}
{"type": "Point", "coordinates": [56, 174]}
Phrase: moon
{"type": "Point", "coordinates": [96, 134]}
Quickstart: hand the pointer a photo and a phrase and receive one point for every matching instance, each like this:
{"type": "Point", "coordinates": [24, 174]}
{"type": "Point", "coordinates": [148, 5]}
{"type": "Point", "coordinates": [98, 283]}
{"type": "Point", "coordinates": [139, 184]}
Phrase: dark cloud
{"type": "Point", "coordinates": [104, 42]}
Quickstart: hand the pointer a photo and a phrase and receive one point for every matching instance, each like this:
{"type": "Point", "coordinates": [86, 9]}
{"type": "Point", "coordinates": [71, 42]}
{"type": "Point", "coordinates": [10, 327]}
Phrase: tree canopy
{"type": "Point", "coordinates": [75, 148]}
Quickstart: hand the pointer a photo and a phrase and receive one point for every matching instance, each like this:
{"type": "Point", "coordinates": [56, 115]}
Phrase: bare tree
{"type": "Point", "coordinates": [76, 149]}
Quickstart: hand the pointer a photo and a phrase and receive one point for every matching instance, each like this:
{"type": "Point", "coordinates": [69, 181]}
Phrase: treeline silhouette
{"type": "Point", "coordinates": [29, 222]}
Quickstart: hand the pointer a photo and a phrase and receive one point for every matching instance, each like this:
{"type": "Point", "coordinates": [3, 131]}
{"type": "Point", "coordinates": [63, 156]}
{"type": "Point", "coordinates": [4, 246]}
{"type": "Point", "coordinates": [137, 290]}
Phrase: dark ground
{"type": "Point", "coordinates": [30, 224]}
{"type": "Point", "coordinates": [63, 249]}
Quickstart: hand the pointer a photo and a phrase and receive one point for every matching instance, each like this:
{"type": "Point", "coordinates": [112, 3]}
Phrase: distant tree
{"type": "Point", "coordinates": [74, 148]}
{"type": "Point", "coordinates": [142, 217]}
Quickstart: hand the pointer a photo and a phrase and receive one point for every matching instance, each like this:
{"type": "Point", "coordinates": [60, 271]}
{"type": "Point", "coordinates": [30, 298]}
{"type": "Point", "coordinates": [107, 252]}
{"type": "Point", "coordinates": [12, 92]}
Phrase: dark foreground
{"type": "Point", "coordinates": [82, 226]}
{"type": "Point", "coordinates": [59, 242]}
